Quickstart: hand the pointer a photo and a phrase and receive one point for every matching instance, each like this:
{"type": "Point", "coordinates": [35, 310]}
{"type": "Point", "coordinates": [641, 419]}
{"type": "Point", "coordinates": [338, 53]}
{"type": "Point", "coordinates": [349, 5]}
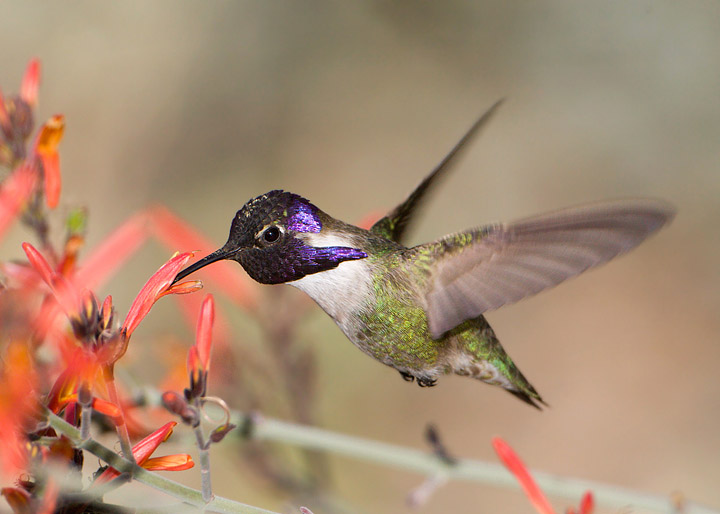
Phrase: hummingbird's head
{"type": "Point", "coordinates": [269, 237]}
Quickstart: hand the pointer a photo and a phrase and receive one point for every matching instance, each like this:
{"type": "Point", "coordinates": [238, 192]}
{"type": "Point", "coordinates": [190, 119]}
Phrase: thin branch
{"type": "Point", "coordinates": [470, 470]}
{"type": "Point", "coordinates": [489, 473]}
{"type": "Point", "coordinates": [204, 457]}
{"type": "Point", "coordinates": [154, 480]}
{"type": "Point", "coordinates": [85, 400]}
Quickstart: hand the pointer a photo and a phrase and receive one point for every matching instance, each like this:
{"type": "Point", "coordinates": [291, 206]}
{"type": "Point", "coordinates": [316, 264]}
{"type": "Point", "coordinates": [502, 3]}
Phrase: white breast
{"type": "Point", "coordinates": [341, 291]}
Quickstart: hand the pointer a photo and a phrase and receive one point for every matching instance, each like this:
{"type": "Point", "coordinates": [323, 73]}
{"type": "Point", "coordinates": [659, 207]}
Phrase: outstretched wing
{"type": "Point", "coordinates": [394, 224]}
{"type": "Point", "coordinates": [472, 272]}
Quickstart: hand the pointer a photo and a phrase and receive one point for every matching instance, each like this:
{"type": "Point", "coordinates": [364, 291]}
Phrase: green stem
{"type": "Point", "coordinates": [470, 470]}
{"type": "Point", "coordinates": [204, 457]}
{"type": "Point", "coordinates": [464, 469]}
{"type": "Point", "coordinates": [170, 487]}
{"type": "Point", "coordinates": [85, 401]}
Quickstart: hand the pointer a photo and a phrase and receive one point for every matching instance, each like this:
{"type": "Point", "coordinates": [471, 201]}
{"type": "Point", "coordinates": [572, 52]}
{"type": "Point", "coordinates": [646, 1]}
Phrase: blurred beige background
{"type": "Point", "coordinates": [203, 105]}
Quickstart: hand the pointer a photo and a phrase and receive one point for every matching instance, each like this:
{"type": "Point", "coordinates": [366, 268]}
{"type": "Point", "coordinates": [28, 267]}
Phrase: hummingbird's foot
{"type": "Point", "coordinates": [407, 377]}
{"type": "Point", "coordinates": [426, 382]}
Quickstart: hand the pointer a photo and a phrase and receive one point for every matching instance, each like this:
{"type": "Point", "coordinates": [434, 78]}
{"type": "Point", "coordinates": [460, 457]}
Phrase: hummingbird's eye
{"type": "Point", "coordinates": [271, 234]}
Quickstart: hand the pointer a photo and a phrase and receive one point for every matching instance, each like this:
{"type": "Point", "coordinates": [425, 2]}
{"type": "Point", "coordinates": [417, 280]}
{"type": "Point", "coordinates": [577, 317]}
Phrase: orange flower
{"type": "Point", "coordinates": [517, 467]}
{"type": "Point", "coordinates": [145, 448]}
{"type": "Point", "coordinates": [18, 379]}
{"type": "Point", "coordinates": [46, 149]}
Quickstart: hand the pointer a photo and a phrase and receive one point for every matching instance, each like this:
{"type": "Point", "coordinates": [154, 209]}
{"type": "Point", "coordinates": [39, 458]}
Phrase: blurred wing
{"type": "Point", "coordinates": [394, 224]}
{"type": "Point", "coordinates": [480, 270]}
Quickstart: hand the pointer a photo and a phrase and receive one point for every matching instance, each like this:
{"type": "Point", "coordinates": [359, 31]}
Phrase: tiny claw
{"type": "Point", "coordinates": [407, 377]}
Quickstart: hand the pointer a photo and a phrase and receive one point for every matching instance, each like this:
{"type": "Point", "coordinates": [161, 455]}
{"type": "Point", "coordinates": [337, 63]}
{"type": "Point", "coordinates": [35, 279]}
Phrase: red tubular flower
{"type": "Point", "coordinates": [198, 359]}
{"type": "Point", "coordinates": [38, 262]}
{"type": "Point", "coordinates": [31, 82]}
{"type": "Point", "coordinates": [203, 336]}
{"type": "Point", "coordinates": [65, 293]}
{"type": "Point", "coordinates": [177, 233]}
{"type": "Point", "coordinates": [46, 149]}
{"type": "Point", "coordinates": [155, 288]}
{"type": "Point", "coordinates": [16, 191]}
{"type": "Point", "coordinates": [145, 448]}
{"type": "Point", "coordinates": [517, 467]}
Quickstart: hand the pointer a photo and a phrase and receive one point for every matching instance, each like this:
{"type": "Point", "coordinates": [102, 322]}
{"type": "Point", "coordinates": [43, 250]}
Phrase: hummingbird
{"type": "Point", "coordinates": [420, 309]}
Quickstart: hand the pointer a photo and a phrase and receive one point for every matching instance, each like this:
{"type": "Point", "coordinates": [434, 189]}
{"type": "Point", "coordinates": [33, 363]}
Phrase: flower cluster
{"type": "Point", "coordinates": [59, 345]}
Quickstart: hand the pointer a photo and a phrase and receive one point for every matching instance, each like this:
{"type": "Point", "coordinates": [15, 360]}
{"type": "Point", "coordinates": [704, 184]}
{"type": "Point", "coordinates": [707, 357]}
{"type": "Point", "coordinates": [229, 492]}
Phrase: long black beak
{"type": "Point", "coordinates": [218, 255]}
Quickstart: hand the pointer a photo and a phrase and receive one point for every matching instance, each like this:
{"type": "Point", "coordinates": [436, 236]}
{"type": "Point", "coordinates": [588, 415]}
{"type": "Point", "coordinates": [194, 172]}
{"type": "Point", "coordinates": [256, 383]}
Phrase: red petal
{"type": "Point", "coordinates": [19, 499]}
{"type": "Point", "coordinates": [142, 450]}
{"type": "Point", "coordinates": [152, 290]}
{"type": "Point", "coordinates": [193, 361]}
{"type": "Point", "coordinates": [106, 311]}
{"type": "Point", "coordinates": [51, 171]}
{"type": "Point", "coordinates": [30, 82]}
{"type": "Point", "coordinates": [517, 467]}
{"type": "Point", "coordinates": [587, 504]}
{"type": "Point", "coordinates": [38, 262]}
{"type": "Point", "coordinates": [15, 192]}
{"type": "Point", "coordinates": [112, 252]}
{"type": "Point", "coordinates": [203, 336]}
{"type": "Point", "coordinates": [176, 462]}
{"type": "Point", "coordinates": [177, 233]}
{"type": "Point", "coordinates": [65, 293]}
{"type": "Point", "coordinates": [61, 391]}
